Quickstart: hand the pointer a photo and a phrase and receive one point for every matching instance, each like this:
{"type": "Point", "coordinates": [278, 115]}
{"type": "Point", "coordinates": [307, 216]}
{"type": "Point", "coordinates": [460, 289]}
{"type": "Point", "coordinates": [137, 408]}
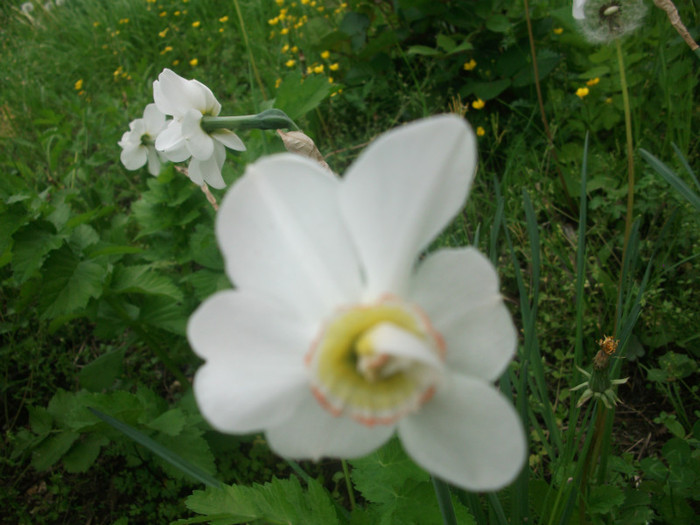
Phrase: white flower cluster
{"type": "Point", "coordinates": [151, 139]}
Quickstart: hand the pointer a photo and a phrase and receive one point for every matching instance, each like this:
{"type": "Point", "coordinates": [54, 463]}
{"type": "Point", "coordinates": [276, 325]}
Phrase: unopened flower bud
{"type": "Point", "coordinates": [301, 144]}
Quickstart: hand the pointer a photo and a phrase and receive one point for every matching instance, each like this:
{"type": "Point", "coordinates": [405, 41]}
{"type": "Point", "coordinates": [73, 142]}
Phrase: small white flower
{"type": "Point", "coordinates": [335, 338]}
{"type": "Point", "coordinates": [605, 20]}
{"type": "Point", "coordinates": [26, 8]}
{"type": "Point", "coordinates": [188, 101]}
{"type": "Point", "coordinates": [138, 144]}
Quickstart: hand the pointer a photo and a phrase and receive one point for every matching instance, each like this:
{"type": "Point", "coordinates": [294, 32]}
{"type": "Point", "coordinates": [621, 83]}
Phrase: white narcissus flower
{"type": "Point", "coordinates": [188, 101]}
{"type": "Point", "coordinates": [335, 338]}
{"type": "Point", "coordinates": [138, 144]}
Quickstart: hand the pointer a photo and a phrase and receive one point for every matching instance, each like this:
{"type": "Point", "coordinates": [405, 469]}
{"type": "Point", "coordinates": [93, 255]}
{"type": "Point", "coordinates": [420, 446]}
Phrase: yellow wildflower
{"type": "Point", "coordinates": [95, 23]}
{"type": "Point", "coordinates": [295, 49]}
{"type": "Point", "coordinates": [330, 80]}
{"type": "Point", "coordinates": [468, 66]}
{"type": "Point", "coordinates": [278, 82]}
{"type": "Point", "coordinates": [164, 32]}
{"type": "Point", "coordinates": [279, 2]}
{"type": "Point", "coordinates": [285, 48]}
{"type": "Point", "coordinates": [558, 30]}
{"type": "Point", "coordinates": [166, 49]}
{"type": "Point", "coordinates": [124, 21]}
{"type": "Point", "coordinates": [78, 85]}
{"type": "Point", "coordinates": [177, 13]}
{"type": "Point", "coordinates": [318, 69]}
{"type": "Point", "coordinates": [194, 62]}
{"type": "Point", "coordinates": [478, 104]}
{"type": "Point", "coordinates": [163, 13]}
{"type": "Point", "coordinates": [592, 82]}
{"type": "Point", "coordinates": [480, 132]}
{"type": "Point", "coordinates": [325, 55]}
{"type": "Point", "coordinates": [176, 62]}
{"type": "Point", "coordinates": [582, 92]}
{"type": "Point", "coordinates": [608, 100]}
{"type": "Point", "coordinates": [334, 67]}
{"type": "Point", "coordinates": [273, 21]}
{"type": "Point", "coordinates": [223, 19]}
{"type": "Point", "coordinates": [284, 31]}
{"type": "Point", "coordinates": [196, 24]}
{"type": "Point", "coordinates": [221, 30]}
{"type": "Point", "coordinates": [290, 62]}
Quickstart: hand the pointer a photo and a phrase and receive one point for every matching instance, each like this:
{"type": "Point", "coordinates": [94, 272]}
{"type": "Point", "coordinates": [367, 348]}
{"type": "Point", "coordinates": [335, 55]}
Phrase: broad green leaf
{"type": "Point", "coordinates": [603, 499]}
{"type": "Point", "coordinates": [297, 96]}
{"type": "Point", "coordinates": [84, 452]}
{"type": "Point", "coordinates": [190, 447]}
{"type": "Point", "coordinates": [163, 313]}
{"type": "Point", "coordinates": [40, 420]}
{"type": "Point", "coordinates": [69, 283]}
{"type": "Point", "coordinates": [170, 422]}
{"type": "Point", "coordinates": [144, 279]}
{"type": "Point", "coordinates": [52, 449]}
{"type": "Point", "coordinates": [32, 244]}
{"type": "Point", "coordinates": [101, 373]}
{"type": "Point", "coordinates": [498, 24]}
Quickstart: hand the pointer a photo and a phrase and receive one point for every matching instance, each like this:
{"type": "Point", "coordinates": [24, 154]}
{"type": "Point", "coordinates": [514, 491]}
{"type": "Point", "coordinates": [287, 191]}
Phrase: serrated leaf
{"type": "Point", "coordinates": [603, 499]}
{"type": "Point", "coordinates": [170, 423]}
{"type": "Point", "coordinates": [84, 452]}
{"type": "Point", "coordinates": [163, 313]}
{"type": "Point", "coordinates": [101, 373]}
{"type": "Point", "coordinates": [279, 501]}
{"type": "Point", "coordinates": [52, 449]}
{"type": "Point", "coordinates": [40, 420]}
{"type": "Point", "coordinates": [32, 244]}
{"type": "Point", "coordinates": [381, 474]}
{"type": "Point", "coordinates": [144, 279]}
{"type": "Point", "coordinates": [191, 447]}
{"type": "Point", "coordinates": [69, 283]}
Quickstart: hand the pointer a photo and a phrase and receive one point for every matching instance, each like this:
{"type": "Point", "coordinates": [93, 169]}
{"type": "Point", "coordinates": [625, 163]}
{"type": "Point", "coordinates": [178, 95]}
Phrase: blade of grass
{"type": "Point", "coordinates": [673, 179]}
{"type": "Point", "coordinates": [168, 455]}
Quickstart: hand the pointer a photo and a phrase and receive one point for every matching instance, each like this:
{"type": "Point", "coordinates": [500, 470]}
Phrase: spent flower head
{"type": "Point", "coordinates": [336, 338]}
{"type": "Point", "coordinates": [188, 101]}
{"type": "Point", "coordinates": [605, 20]}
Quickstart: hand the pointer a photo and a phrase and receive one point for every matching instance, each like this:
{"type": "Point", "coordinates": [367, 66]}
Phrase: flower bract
{"type": "Point", "coordinates": [188, 101]}
{"type": "Point", "coordinates": [336, 337]}
{"type": "Point", "coordinates": [138, 144]}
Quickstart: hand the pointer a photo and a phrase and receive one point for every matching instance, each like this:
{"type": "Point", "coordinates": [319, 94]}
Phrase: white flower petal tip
{"type": "Point", "coordinates": [334, 338]}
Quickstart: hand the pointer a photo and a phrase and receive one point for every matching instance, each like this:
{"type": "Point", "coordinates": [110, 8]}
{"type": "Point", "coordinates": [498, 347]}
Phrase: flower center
{"type": "Point", "coordinates": [376, 362]}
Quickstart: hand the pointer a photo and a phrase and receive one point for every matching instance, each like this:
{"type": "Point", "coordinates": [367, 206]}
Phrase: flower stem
{"type": "Point", "coordinates": [442, 492]}
{"type": "Point", "coordinates": [269, 119]}
{"type": "Point", "coordinates": [250, 50]}
{"type": "Point", "coordinates": [348, 484]}
{"type": "Point", "coordinates": [630, 152]}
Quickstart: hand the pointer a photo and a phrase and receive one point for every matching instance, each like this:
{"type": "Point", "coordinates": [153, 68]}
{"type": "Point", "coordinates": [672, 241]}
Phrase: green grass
{"type": "Point", "coordinates": [71, 80]}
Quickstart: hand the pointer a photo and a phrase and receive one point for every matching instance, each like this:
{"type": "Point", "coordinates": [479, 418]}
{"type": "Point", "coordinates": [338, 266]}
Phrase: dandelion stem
{"type": "Point", "coordinates": [630, 153]}
{"type": "Point", "coordinates": [442, 492]}
{"type": "Point", "coordinates": [348, 484]}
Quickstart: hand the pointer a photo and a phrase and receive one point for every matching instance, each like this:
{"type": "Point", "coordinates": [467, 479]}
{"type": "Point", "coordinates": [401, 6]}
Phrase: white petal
{"type": "Point", "coordinates": [311, 432]}
{"type": "Point", "coordinates": [133, 157]}
{"type": "Point", "coordinates": [254, 375]}
{"type": "Point", "coordinates": [211, 105]}
{"type": "Point", "coordinates": [209, 170]}
{"type": "Point", "coordinates": [174, 95]}
{"type": "Point", "coordinates": [200, 144]}
{"type": "Point", "coordinates": [459, 291]}
{"type": "Point", "coordinates": [171, 139]}
{"type": "Point", "coordinates": [468, 435]}
{"type": "Point", "coordinates": [280, 232]}
{"type": "Point", "coordinates": [387, 338]}
{"type": "Point", "coordinates": [404, 188]}
{"type": "Point", "coordinates": [229, 139]}
{"type": "Point", "coordinates": [578, 9]}
{"type": "Point", "coordinates": [153, 119]}
{"type": "Point", "coordinates": [153, 161]}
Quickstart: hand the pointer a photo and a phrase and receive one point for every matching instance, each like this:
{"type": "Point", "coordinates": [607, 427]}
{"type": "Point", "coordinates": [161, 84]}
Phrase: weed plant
{"type": "Point", "coordinates": [101, 267]}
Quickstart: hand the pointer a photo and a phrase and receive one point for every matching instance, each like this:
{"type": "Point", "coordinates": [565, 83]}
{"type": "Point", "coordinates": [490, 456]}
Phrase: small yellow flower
{"type": "Point", "coordinates": [78, 85]}
{"type": "Point", "coordinates": [284, 31]}
{"type": "Point", "coordinates": [194, 62]}
{"type": "Point", "coordinates": [223, 19]}
{"type": "Point", "coordinates": [273, 21]}
{"type": "Point", "coordinates": [468, 66]}
{"type": "Point", "coordinates": [166, 49]}
{"type": "Point", "coordinates": [162, 14]}
{"type": "Point", "coordinates": [278, 82]}
{"type": "Point", "coordinates": [177, 13]}
{"type": "Point", "coordinates": [480, 132]}
{"type": "Point", "coordinates": [164, 32]}
{"type": "Point", "coordinates": [290, 62]}
{"type": "Point", "coordinates": [176, 62]}
{"type": "Point", "coordinates": [334, 67]}
{"type": "Point", "coordinates": [478, 104]}
{"type": "Point", "coordinates": [582, 92]}
{"type": "Point", "coordinates": [124, 21]}
{"type": "Point", "coordinates": [279, 2]}
{"type": "Point", "coordinates": [318, 69]}
{"type": "Point", "coordinates": [285, 48]}
{"type": "Point", "coordinates": [592, 82]}
{"type": "Point", "coordinates": [221, 30]}
{"type": "Point", "coordinates": [558, 30]}
{"type": "Point", "coordinates": [309, 70]}
{"type": "Point", "coordinates": [330, 80]}
{"type": "Point", "coordinates": [295, 49]}
{"type": "Point", "coordinates": [305, 2]}
{"type": "Point", "coordinates": [196, 24]}
{"type": "Point", "coordinates": [320, 9]}
{"type": "Point", "coordinates": [95, 23]}
{"type": "Point", "coordinates": [325, 55]}
{"type": "Point", "coordinates": [609, 100]}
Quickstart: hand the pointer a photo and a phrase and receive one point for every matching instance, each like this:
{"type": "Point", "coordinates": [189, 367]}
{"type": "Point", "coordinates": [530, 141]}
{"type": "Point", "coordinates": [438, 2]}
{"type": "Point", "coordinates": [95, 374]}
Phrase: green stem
{"type": "Point", "coordinates": [250, 51]}
{"type": "Point", "coordinates": [348, 484]}
{"type": "Point", "coordinates": [269, 119]}
{"type": "Point", "coordinates": [442, 492]}
{"type": "Point", "coordinates": [591, 459]}
{"type": "Point", "coordinates": [630, 152]}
